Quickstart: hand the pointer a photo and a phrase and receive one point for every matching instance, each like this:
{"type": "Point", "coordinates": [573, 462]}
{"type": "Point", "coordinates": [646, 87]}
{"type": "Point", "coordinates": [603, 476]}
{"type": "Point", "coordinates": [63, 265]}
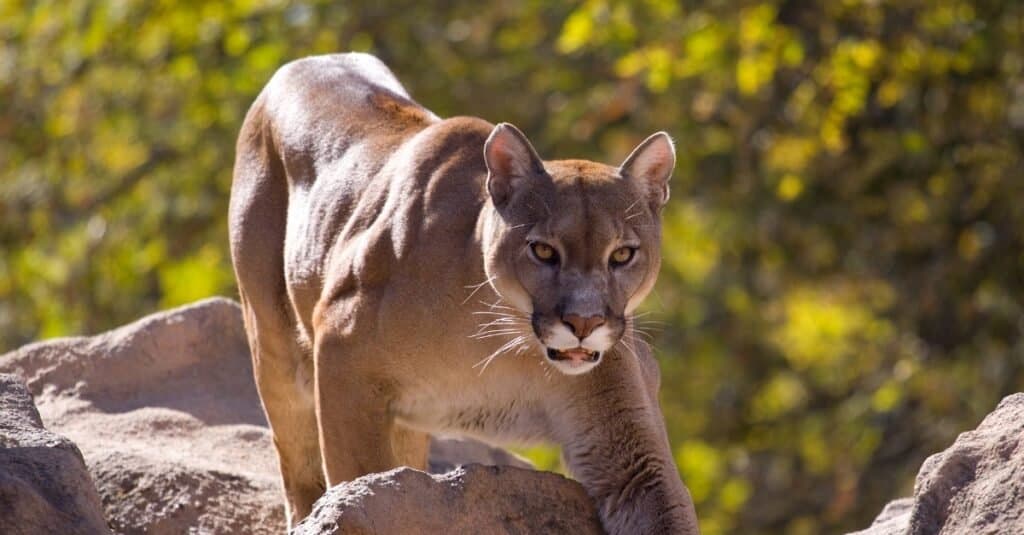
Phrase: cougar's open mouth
{"type": "Point", "coordinates": [575, 355]}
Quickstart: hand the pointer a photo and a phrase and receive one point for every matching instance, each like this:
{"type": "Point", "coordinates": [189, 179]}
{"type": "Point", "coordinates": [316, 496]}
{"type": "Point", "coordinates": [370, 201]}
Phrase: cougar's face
{"type": "Point", "coordinates": [589, 257]}
{"type": "Point", "coordinates": [574, 245]}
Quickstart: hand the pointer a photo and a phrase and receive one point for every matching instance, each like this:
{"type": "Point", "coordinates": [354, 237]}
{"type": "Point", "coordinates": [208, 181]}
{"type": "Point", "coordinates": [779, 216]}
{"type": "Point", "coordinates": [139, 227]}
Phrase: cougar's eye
{"type": "Point", "coordinates": [544, 252]}
{"type": "Point", "coordinates": [622, 256]}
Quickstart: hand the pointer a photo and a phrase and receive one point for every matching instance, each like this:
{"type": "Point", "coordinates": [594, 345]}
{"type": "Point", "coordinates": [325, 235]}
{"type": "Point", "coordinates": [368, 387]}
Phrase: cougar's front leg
{"type": "Point", "coordinates": [352, 397]}
{"type": "Point", "coordinates": [410, 447]}
{"type": "Point", "coordinates": [615, 444]}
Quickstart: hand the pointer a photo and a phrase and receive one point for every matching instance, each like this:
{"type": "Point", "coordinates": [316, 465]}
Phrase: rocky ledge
{"type": "Point", "coordinates": [171, 430]}
{"type": "Point", "coordinates": [172, 440]}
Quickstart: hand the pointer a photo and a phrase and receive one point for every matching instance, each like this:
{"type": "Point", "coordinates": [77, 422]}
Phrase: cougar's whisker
{"type": "Point", "coordinates": [507, 319]}
{"type": "Point", "coordinates": [640, 327]}
{"type": "Point", "coordinates": [497, 304]}
{"type": "Point", "coordinates": [483, 336]}
{"type": "Point", "coordinates": [646, 335]}
{"type": "Point", "coordinates": [630, 349]}
{"type": "Point", "coordinates": [476, 288]}
{"type": "Point", "coordinates": [502, 322]}
{"type": "Point", "coordinates": [630, 207]}
{"type": "Point", "coordinates": [486, 361]}
{"type": "Point", "coordinates": [492, 313]}
{"type": "Point", "coordinates": [498, 327]}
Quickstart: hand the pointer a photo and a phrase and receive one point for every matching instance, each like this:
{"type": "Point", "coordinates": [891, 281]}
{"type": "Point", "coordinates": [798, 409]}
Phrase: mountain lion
{"type": "Point", "coordinates": [401, 275]}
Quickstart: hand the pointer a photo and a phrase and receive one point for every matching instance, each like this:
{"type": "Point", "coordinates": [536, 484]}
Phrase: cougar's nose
{"type": "Point", "coordinates": [582, 327]}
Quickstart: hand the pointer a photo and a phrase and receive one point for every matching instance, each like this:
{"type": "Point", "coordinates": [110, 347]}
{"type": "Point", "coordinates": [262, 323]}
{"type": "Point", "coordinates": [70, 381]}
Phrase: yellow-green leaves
{"type": "Point", "coordinates": [578, 30]}
{"type": "Point", "coordinates": [826, 330]}
{"type": "Point", "coordinates": [689, 246]}
{"type": "Point", "coordinates": [841, 254]}
{"type": "Point", "coordinates": [710, 478]}
{"type": "Point", "coordinates": [192, 278]}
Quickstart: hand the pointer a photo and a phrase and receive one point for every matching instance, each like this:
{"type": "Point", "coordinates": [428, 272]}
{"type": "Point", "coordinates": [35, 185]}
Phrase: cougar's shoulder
{"type": "Point", "coordinates": [409, 229]}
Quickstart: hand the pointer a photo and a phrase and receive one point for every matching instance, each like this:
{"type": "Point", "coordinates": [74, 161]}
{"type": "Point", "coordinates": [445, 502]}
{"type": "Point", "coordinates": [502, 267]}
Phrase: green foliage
{"type": "Point", "coordinates": [841, 292]}
{"type": "Point", "coordinates": [543, 456]}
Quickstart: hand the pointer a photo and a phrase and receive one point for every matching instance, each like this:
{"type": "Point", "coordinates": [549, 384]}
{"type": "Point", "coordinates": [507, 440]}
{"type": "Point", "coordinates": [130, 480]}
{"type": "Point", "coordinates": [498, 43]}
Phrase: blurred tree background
{"type": "Point", "coordinates": [842, 291]}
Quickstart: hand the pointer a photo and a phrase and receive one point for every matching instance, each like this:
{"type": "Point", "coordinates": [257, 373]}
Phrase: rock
{"type": "Point", "coordinates": [146, 495]}
{"type": "Point", "coordinates": [975, 486]}
{"type": "Point", "coordinates": [166, 413]}
{"type": "Point", "coordinates": [448, 453]}
{"type": "Point", "coordinates": [470, 499]}
{"type": "Point", "coordinates": [44, 485]}
{"type": "Point", "coordinates": [893, 518]}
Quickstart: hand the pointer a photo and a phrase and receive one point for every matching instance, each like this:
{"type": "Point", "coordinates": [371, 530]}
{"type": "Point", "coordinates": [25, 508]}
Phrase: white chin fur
{"type": "Point", "coordinates": [561, 339]}
{"type": "Point", "coordinates": [569, 368]}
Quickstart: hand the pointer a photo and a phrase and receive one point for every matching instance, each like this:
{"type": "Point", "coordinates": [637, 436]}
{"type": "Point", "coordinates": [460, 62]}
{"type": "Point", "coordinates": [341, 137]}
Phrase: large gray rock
{"type": "Point", "coordinates": [44, 485]}
{"type": "Point", "coordinates": [975, 486]}
{"type": "Point", "coordinates": [166, 413]}
{"type": "Point", "coordinates": [470, 499]}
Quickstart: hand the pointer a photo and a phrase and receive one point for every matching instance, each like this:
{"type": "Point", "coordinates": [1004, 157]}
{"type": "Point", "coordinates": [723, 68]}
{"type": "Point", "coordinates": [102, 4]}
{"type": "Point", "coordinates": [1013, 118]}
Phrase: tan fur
{"type": "Point", "coordinates": [381, 259]}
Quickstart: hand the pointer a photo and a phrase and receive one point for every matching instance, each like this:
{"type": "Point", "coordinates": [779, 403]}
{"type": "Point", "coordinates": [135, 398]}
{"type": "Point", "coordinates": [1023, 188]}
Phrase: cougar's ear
{"type": "Point", "coordinates": [650, 165]}
{"type": "Point", "coordinates": [511, 162]}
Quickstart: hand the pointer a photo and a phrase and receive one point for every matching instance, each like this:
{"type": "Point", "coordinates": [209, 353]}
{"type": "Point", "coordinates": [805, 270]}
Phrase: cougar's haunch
{"type": "Point", "coordinates": [401, 274]}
